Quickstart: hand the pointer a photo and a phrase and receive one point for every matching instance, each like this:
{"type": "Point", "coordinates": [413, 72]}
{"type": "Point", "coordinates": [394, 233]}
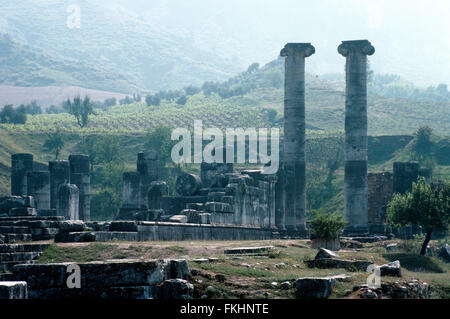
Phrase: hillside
{"type": "Point", "coordinates": [245, 100]}
{"type": "Point", "coordinates": [113, 50]}
{"type": "Point", "coordinates": [50, 95]}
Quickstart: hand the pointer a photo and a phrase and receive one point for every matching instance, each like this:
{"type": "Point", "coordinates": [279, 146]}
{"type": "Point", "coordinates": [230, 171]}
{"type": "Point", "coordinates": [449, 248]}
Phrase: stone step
{"type": "Point", "coordinates": [12, 238]}
{"type": "Point", "coordinates": [44, 233]}
{"type": "Point", "coordinates": [55, 218]}
{"type": "Point", "coordinates": [8, 266]}
{"type": "Point", "coordinates": [100, 236]}
{"type": "Point", "coordinates": [13, 290]}
{"type": "Point", "coordinates": [18, 248]}
{"type": "Point", "coordinates": [14, 230]}
{"type": "Point", "coordinates": [19, 257]}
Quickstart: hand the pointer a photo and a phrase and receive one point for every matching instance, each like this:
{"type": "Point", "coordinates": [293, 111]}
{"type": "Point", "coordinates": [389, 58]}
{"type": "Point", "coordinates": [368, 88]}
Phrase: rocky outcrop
{"type": "Point", "coordinates": [391, 269]}
{"type": "Point", "coordinates": [316, 287]}
{"type": "Point", "coordinates": [413, 289]}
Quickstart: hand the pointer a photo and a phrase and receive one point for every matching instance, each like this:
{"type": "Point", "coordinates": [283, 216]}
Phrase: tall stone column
{"type": "Point", "coordinates": [67, 203]}
{"type": "Point", "coordinates": [147, 166]}
{"type": "Point", "coordinates": [38, 186]}
{"type": "Point", "coordinates": [131, 191]}
{"type": "Point", "coordinates": [294, 135]}
{"type": "Point", "coordinates": [355, 180]}
{"type": "Point", "coordinates": [21, 165]}
{"type": "Point", "coordinates": [59, 175]}
{"type": "Point", "coordinates": [79, 176]}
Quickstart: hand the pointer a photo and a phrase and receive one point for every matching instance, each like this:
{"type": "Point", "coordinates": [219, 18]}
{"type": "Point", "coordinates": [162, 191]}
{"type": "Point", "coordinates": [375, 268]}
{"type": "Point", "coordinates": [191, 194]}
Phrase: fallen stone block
{"type": "Point", "coordinates": [117, 273]}
{"type": "Point", "coordinates": [75, 237]}
{"type": "Point", "coordinates": [72, 226]}
{"type": "Point", "coordinates": [204, 218]}
{"type": "Point", "coordinates": [178, 219]}
{"type": "Point", "coordinates": [123, 226]}
{"type": "Point", "coordinates": [43, 233]}
{"type": "Point", "coordinates": [9, 202]}
{"type": "Point", "coordinates": [22, 211]}
{"type": "Point", "coordinates": [176, 289]}
{"type": "Point", "coordinates": [314, 287]}
{"type": "Point", "coordinates": [325, 253]}
{"type": "Point", "coordinates": [13, 290]}
{"type": "Point", "coordinates": [14, 230]}
{"type": "Point", "coordinates": [391, 269]}
{"type": "Point", "coordinates": [248, 250]}
{"type": "Point", "coordinates": [353, 244]}
{"type": "Point", "coordinates": [359, 265]}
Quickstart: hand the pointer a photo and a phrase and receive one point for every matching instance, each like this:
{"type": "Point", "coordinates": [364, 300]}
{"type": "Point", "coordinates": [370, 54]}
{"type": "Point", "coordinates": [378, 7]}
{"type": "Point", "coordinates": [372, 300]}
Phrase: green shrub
{"type": "Point", "coordinates": [326, 225]}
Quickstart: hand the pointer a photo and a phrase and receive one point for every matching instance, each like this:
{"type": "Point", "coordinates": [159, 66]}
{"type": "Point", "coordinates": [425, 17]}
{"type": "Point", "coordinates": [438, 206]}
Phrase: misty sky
{"type": "Point", "coordinates": [412, 38]}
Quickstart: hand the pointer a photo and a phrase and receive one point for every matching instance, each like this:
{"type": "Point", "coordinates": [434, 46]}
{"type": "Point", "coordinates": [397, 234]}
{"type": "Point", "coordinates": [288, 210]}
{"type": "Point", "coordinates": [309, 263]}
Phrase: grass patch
{"type": "Point", "coordinates": [91, 252]}
{"type": "Point", "coordinates": [416, 263]}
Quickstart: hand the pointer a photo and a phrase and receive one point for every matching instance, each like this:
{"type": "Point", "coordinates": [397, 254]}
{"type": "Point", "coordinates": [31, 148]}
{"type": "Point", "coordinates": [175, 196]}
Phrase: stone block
{"type": "Point", "coordinates": [13, 290]}
{"type": "Point", "coordinates": [178, 219]}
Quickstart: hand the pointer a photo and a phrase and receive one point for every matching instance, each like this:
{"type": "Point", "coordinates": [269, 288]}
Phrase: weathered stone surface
{"type": "Point", "coordinates": [149, 215]}
{"type": "Point", "coordinates": [21, 165]}
{"type": "Point", "coordinates": [131, 190]}
{"type": "Point", "coordinates": [204, 218]}
{"type": "Point", "coordinates": [413, 289]}
{"type": "Point", "coordinates": [68, 201]}
{"type": "Point", "coordinates": [123, 273]}
{"type": "Point", "coordinates": [380, 191]}
{"type": "Point", "coordinates": [391, 269]}
{"type": "Point", "coordinates": [314, 288]}
{"type": "Point", "coordinates": [22, 211]}
{"type": "Point", "coordinates": [188, 184]}
{"type": "Point", "coordinates": [59, 175]}
{"type": "Point", "coordinates": [330, 244]}
{"type": "Point", "coordinates": [355, 184]}
{"type": "Point", "coordinates": [9, 202]}
{"type": "Point", "coordinates": [38, 186]}
{"type": "Point", "coordinates": [294, 135]}
{"type": "Point", "coordinates": [248, 250]}
{"type": "Point", "coordinates": [178, 219]}
{"type": "Point", "coordinates": [75, 237]}
{"type": "Point", "coordinates": [325, 253]}
{"type": "Point", "coordinates": [79, 176]}
{"type": "Point", "coordinates": [157, 190]}
{"type": "Point", "coordinates": [177, 289]}
{"type": "Point", "coordinates": [123, 226]}
{"type": "Point", "coordinates": [338, 263]}
{"type": "Point", "coordinates": [72, 226]}
{"type": "Point", "coordinates": [16, 248]}
{"type": "Point", "coordinates": [405, 173]}
{"type": "Point", "coordinates": [348, 243]}
{"type": "Point", "coordinates": [13, 290]}
{"type": "Point", "coordinates": [110, 293]}
{"type": "Point", "coordinates": [148, 168]}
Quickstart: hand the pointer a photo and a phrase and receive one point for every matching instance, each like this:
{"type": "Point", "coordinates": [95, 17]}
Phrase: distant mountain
{"type": "Point", "coordinates": [113, 50]}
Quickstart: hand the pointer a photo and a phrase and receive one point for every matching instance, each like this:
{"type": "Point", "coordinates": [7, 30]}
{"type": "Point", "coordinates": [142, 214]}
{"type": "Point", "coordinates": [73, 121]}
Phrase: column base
{"type": "Point", "coordinates": [356, 230]}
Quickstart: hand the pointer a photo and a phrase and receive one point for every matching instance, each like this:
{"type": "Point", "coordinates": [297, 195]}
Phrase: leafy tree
{"type": "Point", "coordinates": [81, 109]}
{"type": "Point", "coordinates": [253, 67]}
{"type": "Point", "coordinates": [33, 108]}
{"type": "Point", "coordinates": [54, 143]}
{"type": "Point", "coordinates": [160, 140]}
{"type": "Point", "coordinates": [422, 143]}
{"type": "Point", "coordinates": [326, 225]}
{"type": "Point", "coordinates": [271, 116]}
{"type": "Point", "coordinates": [191, 90]}
{"type": "Point", "coordinates": [7, 114]}
{"type": "Point", "coordinates": [182, 100]}
{"type": "Point", "coordinates": [424, 206]}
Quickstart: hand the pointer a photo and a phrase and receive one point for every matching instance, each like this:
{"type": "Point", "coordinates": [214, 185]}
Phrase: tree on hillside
{"type": "Point", "coordinates": [54, 143]}
{"type": "Point", "coordinates": [13, 116]}
{"type": "Point", "coordinates": [253, 67]}
{"type": "Point", "coordinates": [182, 100]}
{"type": "Point", "coordinates": [160, 140]}
{"type": "Point", "coordinates": [425, 206]}
{"type": "Point", "coordinates": [422, 143]}
{"type": "Point", "coordinates": [81, 109]}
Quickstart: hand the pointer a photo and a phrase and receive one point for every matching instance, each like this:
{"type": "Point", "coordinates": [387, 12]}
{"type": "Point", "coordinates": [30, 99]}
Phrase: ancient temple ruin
{"type": "Point", "coordinates": [221, 202]}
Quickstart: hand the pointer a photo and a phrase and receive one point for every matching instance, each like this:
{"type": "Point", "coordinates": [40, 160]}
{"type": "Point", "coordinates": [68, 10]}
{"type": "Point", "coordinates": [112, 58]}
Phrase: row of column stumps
{"type": "Point", "coordinates": [51, 188]}
{"type": "Point", "coordinates": [292, 206]}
